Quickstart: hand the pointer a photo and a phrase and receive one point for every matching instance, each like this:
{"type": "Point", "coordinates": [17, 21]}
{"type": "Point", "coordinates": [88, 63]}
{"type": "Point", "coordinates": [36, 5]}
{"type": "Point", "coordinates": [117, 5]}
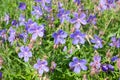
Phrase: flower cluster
{"type": "Point", "coordinates": [34, 28]}
{"type": "Point", "coordinates": [106, 4]}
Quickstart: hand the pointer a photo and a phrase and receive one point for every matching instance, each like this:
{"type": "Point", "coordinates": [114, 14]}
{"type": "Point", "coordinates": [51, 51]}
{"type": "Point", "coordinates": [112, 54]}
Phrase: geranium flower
{"type": "Point", "coordinates": [77, 65]}
{"type": "Point", "coordinates": [41, 66]}
{"type": "Point", "coordinates": [25, 52]}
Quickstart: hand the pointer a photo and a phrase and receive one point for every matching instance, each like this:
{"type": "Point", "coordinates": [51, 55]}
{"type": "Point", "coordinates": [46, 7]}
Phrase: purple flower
{"type": "Point", "coordinates": [104, 67]}
{"type": "Point", "coordinates": [114, 58]}
{"type": "Point", "coordinates": [96, 64]}
{"type": "Point", "coordinates": [14, 23]}
{"type": "Point", "coordinates": [30, 24]}
{"type": "Point", "coordinates": [25, 52]}
{"type": "Point", "coordinates": [110, 67]}
{"type": "Point", "coordinates": [60, 5]}
{"type": "Point", "coordinates": [37, 12]}
{"type": "Point", "coordinates": [6, 18]}
{"type": "Point", "coordinates": [12, 33]}
{"type": "Point", "coordinates": [77, 1]}
{"type": "Point", "coordinates": [43, 2]}
{"type": "Point", "coordinates": [22, 20]}
{"type": "Point", "coordinates": [3, 34]}
{"type": "Point", "coordinates": [118, 41]}
{"type": "Point", "coordinates": [36, 31]}
{"type": "Point", "coordinates": [92, 19]}
{"type": "Point", "coordinates": [97, 41]}
{"type": "Point", "coordinates": [76, 65]}
{"type": "Point", "coordinates": [78, 37]}
{"type": "Point", "coordinates": [107, 67]}
{"type": "Point", "coordinates": [115, 42]}
{"type": "Point", "coordinates": [41, 66]}
{"type": "Point", "coordinates": [65, 48]}
{"type": "Point", "coordinates": [0, 75]}
{"type": "Point", "coordinates": [23, 36]}
{"type": "Point", "coordinates": [78, 20]}
{"type": "Point", "coordinates": [59, 37]}
{"type": "Point", "coordinates": [48, 8]}
{"type": "Point", "coordinates": [63, 15]}
{"type": "Point", "coordinates": [106, 4]}
{"type": "Point", "coordinates": [22, 6]}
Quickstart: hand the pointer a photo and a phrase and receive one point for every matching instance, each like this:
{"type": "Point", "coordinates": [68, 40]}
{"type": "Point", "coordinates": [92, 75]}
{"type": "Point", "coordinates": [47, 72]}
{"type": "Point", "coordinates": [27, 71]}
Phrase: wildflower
{"type": "Point", "coordinates": [59, 37]}
{"type": "Point", "coordinates": [25, 52]}
{"type": "Point", "coordinates": [104, 68]}
{"type": "Point", "coordinates": [60, 5]}
{"type": "Point", "coordinates": [41, 66]}
{"type": "Point", "coordinates": [96, 64]}
{"type": "Point", "coordinates": [77, 1]}
{"type": "Point", "coordinates": [48, 8]}
{"type": "Point", "coordinates": [106, 4]}
{"type": "Point", "coordinates": [65, 48]}
{"type": "Point", "coordinates": [118, 41]}
{"type": "Point", "coordinates": [97, 41]}
{"type": "Point", "coordinates": [14, 23]}
{"type": "Point", "coordinates": [78, 37]}
{"type": "Point", "coordinates": [37, 12]}
{"type": "Point", "coordinates": [43, 2]}
{"type": "Point", "coordinates": [23, 36]}
{"type": "Point", "coordinates": [6, 18]}
{"type": "Point", "coordinates": [115, 42]}
{"type": "Point", "coordinates": [0, 75]}
{"type": "Point", "coordinates": [92, 19]}
{"type": "Point", "coordinates": [22, 20]}
{"type": "Point", "coordinates": [36, 31]}
{"type": "Point", "coordinates": [78, 20]}
{"type": "Point", "coordinates": [114, 58]}
{"type": "Point", "coordinates": [22, 6]}
{"type": "Point", "coordinates": [76, 65]}
{"type": "Point", "coordinates": [29, 24]}
{"type": "Point", "coordinates": [3, 34]}
{"type": "Point", "coordinates": [63, 15]}
{"type": "Point", "coordinates": [110, 67]}
{"type": "Point", "coordinates": [12, 33]}
{"type": "Point", "coordinates": [107, 67]}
